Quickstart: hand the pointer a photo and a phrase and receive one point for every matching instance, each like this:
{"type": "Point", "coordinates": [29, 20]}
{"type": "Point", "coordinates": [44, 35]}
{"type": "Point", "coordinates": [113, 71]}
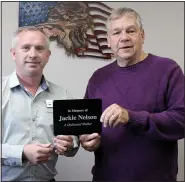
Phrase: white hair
{"type": "Point", "coordinates": [121, 12]}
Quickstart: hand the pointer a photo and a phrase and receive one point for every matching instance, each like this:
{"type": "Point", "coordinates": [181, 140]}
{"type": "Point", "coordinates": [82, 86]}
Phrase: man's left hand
{"type": "Point", "coordinates": [63, 143]}
{"type": "Point", "coordinates": [114, 115]}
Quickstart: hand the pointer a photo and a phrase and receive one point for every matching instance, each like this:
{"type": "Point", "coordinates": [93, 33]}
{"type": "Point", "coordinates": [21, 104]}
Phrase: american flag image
{"type": "Point", "coordinates": [78, 27]}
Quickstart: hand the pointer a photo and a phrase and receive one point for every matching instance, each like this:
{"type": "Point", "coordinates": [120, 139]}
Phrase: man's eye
{"type": "Point", "coordinates": [131, 31]}
{"type": "Point", "coordinates": [116, 33]}
{"type": "Point", "coordinates": [40, 48]}
{"type": "Point", "coordinates": [25, 48]}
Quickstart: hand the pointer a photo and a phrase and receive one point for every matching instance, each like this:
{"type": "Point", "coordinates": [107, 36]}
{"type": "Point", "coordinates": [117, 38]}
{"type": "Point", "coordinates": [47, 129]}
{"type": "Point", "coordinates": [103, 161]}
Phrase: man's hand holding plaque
{"type": "Point", "coordinates": [62, 144]}
{"type": "Point", "coordinates": [90, 142]}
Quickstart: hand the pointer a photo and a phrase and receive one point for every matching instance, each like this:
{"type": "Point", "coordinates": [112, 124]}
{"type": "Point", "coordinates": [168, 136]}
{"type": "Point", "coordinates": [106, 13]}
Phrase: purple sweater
{"type": "Point", "coordinates": [146, 148]}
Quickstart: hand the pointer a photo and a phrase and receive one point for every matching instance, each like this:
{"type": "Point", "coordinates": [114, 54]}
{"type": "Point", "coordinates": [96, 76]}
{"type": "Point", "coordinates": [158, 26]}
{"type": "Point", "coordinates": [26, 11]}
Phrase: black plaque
{"type": "Point", "coordinates": [77, 117]}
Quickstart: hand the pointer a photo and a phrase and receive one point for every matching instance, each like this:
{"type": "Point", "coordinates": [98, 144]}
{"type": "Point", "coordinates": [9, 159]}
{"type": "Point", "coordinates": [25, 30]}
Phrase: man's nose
{"type": "Point", "coordinates": [33, 53]}
{"type": "Point", "coordinates": [124, 36]}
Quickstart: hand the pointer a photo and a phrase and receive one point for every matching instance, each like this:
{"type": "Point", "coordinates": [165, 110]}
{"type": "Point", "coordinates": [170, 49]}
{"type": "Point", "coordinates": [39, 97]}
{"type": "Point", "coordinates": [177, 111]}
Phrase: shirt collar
{"type": "Point", "coordinates": [14, 82]}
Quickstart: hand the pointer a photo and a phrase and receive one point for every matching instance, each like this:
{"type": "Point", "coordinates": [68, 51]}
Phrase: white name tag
{"type": "Point", "coordinates": [49, 103]}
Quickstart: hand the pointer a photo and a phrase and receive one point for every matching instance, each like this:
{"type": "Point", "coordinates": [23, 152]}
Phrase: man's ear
{"type": "Point", "coordinates": [142, 36]}
{"type": "Point", "coordinates": [108, 40]}
{"type": "Point", "coordinates": [49, 53]}
{"type": "Point", "coordinates": [12, 51]}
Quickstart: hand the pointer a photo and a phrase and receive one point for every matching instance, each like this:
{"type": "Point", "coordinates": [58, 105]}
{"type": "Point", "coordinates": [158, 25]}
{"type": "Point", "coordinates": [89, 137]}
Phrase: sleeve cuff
{"type": "Point", "coordinates": [137, 121]}
{"type": "Point", "coordinates": [75, 141]}
{"type": "Point", "coordinates": [15, 155]}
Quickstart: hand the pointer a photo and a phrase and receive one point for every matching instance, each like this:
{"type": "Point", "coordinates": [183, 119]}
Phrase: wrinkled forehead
{"type": "Point", "coordinates": [125, 21]}
{"type": "Point", "coordinates": [31, 37]}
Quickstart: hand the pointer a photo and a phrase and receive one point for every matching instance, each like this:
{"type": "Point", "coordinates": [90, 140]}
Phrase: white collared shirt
{"type": "Point", "coordinates": [26, 119]}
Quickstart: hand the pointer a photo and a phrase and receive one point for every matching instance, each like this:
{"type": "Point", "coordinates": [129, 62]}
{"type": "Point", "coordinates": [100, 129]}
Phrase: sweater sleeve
{"type": "Point", "coordinates": [167, 125]}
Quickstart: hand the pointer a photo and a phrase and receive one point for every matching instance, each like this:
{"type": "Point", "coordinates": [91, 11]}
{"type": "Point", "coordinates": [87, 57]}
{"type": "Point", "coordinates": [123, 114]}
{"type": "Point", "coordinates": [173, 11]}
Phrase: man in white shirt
{"type": "Point", "coordinates": [29, 148]}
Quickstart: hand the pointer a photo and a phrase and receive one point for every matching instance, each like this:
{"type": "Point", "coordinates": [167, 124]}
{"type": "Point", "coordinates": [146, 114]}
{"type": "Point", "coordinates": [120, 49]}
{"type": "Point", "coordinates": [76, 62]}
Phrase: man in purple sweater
{"type": "Point", "coordinates": [143, 108]}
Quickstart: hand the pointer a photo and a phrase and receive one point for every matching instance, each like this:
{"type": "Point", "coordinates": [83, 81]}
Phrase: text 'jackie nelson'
{"type": "Point", "coordinates": [79, 117]}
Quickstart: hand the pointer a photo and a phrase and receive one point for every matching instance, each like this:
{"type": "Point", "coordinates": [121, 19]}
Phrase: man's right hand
{"type": "Point", "coordinates": [90, 142]}
{"type": "Point", "coordinates": [37, 153]}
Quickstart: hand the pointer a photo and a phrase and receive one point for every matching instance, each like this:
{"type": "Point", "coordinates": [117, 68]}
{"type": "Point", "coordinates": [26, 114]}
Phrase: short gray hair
{"type": "Point", "coordinates": [28, 28]}
{"type": "Point", "coordinates": [117, 13]}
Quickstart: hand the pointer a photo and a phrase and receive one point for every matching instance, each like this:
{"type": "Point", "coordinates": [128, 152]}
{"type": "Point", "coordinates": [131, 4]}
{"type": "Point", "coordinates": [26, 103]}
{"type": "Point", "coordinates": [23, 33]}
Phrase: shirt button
{"type": "Point", "coordinates": [33, 138]}
{"type": "Point", "coordinates": [33, 119]}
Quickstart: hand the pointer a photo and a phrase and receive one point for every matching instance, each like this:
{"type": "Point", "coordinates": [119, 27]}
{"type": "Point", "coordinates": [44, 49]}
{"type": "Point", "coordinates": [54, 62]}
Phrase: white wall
{"type": "Point", "coordinates": [164, 29]}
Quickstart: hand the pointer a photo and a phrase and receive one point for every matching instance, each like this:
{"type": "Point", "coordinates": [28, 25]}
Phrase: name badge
{"type": "Point", "coordinates": [49, 103]}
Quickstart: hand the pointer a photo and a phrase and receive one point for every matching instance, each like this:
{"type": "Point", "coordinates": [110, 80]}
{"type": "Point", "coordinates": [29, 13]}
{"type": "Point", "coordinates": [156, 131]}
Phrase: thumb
{"type": "Point", "coordinates": [83, 138]}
